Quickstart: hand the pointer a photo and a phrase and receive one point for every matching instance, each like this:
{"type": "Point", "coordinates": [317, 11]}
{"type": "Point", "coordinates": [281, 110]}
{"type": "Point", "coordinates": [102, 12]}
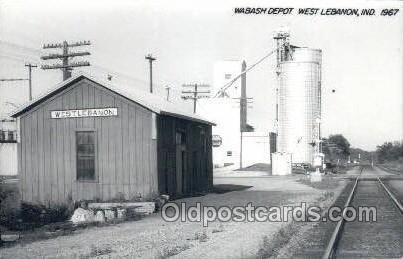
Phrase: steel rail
{"type": "Point", "coordinates": [331, 247]}
{"type": "Point", "coordinates": [395, 201]}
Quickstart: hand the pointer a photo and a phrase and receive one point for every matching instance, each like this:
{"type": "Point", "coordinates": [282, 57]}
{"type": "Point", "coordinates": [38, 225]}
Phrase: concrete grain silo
{"type": "Point", "coordinates": [299, 103]}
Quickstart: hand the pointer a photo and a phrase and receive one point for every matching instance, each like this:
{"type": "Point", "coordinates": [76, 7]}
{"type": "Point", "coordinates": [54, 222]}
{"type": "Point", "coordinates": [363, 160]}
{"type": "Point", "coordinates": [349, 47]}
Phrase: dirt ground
{"type": "Point", "coordinates": [152, 237]}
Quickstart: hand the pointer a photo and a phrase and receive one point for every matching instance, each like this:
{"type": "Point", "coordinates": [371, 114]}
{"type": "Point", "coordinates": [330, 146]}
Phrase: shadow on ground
{"type": "Point", "coordinates": [224, 188]}
{"type": "Point", "coordinates": [257, 167]}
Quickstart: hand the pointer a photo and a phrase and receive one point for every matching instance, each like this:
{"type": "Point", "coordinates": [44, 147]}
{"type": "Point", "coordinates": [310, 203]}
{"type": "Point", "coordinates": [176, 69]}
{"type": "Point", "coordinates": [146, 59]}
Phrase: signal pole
{"type": "Point", "coordinates": [243, 110]}
{"type": "Point", "coordinates": [243, 100]}
{"type": "Point", "coordinates": [194, 95]}
{"type": "Point", "coordinates": [30, 66]}
{"type": "Point", "coordinates": [150, 60]}
{"type": "Point", "coordinates": [66, 66]}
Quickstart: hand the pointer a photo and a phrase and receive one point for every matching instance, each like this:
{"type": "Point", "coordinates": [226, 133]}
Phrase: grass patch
{"type": "Point", "coordinates": [327, 183]}
{"type": "Point", "coordinates": [395, 167]}
{"type": "Point", "coordinates": [99, 251]}
{"type": "Point", "coordinates": [219, 229]}
{"type": "Point", "coordinates": [270, 247]}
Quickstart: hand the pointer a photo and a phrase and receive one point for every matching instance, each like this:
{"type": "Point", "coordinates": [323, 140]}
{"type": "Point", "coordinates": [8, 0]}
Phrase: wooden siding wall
{"type": "Point", "coordinates": [198, 175]}
{"type": "Point", "coordinates": [126, 155]}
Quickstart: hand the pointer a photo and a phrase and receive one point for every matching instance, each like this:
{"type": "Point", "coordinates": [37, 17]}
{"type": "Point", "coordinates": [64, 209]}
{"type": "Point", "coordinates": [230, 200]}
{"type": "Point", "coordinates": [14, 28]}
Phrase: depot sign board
{"type": "Point", "coordinates": [96, 112]}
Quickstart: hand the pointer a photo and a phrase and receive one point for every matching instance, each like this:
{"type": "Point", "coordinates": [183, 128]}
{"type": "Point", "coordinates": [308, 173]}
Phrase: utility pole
{"type": "Point", "coordinates": [30, 66]}
{"type": "Point", "coordinates": [66, 66]}
{"type": "Point", "coordinates": [167, 88]}
{"type": "Point", "coordinates": [195, 94]}
{"type": "Point", "coordinates": [150, 60]}
{"type": "Point", "coordinates": [244, 103]}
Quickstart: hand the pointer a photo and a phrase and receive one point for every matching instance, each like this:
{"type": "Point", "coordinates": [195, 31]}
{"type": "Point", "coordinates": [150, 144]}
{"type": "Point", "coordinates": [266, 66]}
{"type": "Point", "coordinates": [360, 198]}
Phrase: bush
{"type": "Point", "coordinates": [42, 215]}
{"type": "Point", "coordinates": [9, 205]}
{"type": "Point", "coordinates": [389, 151]}
{"type": "Point", "coordinates": [9, 217]}
{"type": "Point", "coordinates": [30, 216]}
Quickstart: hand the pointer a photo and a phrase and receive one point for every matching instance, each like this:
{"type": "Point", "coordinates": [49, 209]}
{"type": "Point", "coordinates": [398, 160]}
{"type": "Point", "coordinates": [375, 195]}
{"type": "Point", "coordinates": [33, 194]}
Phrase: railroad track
{"type": "Point", "coordinates": [381, 238]}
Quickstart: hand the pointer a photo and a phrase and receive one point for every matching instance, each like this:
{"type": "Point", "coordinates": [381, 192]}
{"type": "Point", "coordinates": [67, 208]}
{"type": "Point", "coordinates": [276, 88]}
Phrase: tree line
{"type": "Point", "coordinates": [389, 151]}
{"type": "Point", "coordinates": [337, 149]}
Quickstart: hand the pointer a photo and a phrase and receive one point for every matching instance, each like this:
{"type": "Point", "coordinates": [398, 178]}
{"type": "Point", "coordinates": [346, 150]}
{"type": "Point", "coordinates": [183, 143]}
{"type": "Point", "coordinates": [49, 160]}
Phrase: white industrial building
{"type": "Point", "coordinates": [224, 72]}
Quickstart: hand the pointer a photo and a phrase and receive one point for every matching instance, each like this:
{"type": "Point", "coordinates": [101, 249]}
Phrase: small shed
{"type": "Point", "coordinates": [8, 146]}
{"type": "Point", "coordinates": [86, 139]}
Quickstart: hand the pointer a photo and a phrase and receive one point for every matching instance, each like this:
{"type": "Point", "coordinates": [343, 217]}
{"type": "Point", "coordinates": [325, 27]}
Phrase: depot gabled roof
{"type": "Point", "coordinates": [150, 101]}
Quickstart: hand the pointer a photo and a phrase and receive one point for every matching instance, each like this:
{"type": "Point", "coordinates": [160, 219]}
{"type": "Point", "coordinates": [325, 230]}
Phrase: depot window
{"type": "Point", "coordinates": [85, 149]}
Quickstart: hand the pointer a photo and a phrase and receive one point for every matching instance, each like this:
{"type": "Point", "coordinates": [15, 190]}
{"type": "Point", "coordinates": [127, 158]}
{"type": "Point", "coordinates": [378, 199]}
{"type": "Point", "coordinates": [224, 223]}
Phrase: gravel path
{"type": "Point", "coordinates": [152, 237]}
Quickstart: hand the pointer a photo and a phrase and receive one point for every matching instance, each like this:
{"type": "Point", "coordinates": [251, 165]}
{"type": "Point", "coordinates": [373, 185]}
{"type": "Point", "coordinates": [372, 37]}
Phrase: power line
{"type": "Point", "coordinates": [21, 47]}
{"type": "Point", "coordinates": [13, 79]}
{"type": "Point", "coordinates": [19, 57]}
{"type": "Point", "coordinates": [222, 90]}
{"type": "Point", "coordinates": [98, 67]}
{"type": "Point", "coordinates": [66, 66]}
{"type": "Point", "coordinates": [93, 65]}
{"type": "Point", "coordinates": [29, 79]}
{"type": "Point", "coordinates": [117, 74]}
{"type": "Point", "coordinates": [25, 58]}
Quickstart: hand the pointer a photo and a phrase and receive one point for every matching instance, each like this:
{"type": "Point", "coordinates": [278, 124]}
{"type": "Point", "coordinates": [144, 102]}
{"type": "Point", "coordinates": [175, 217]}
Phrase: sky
{"type": "Point", "coordinates": [362, 56]}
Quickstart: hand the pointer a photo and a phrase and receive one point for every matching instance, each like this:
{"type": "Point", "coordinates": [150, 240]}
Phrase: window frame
{"type": "Point", "coordinates": [96, 175]}
{"type": "Point", "coordinates": [11, 136]}
{"type": "Point", "coordinates": [227, 76]}
{"type": "Point", "coordinates": [2, 135]}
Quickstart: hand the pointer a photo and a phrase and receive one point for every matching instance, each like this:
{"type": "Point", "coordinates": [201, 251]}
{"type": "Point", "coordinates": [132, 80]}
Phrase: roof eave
{"type": "Point", "coordinates": [187, 118]}
{"type": "Point", "coordinates": [34, 103]}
